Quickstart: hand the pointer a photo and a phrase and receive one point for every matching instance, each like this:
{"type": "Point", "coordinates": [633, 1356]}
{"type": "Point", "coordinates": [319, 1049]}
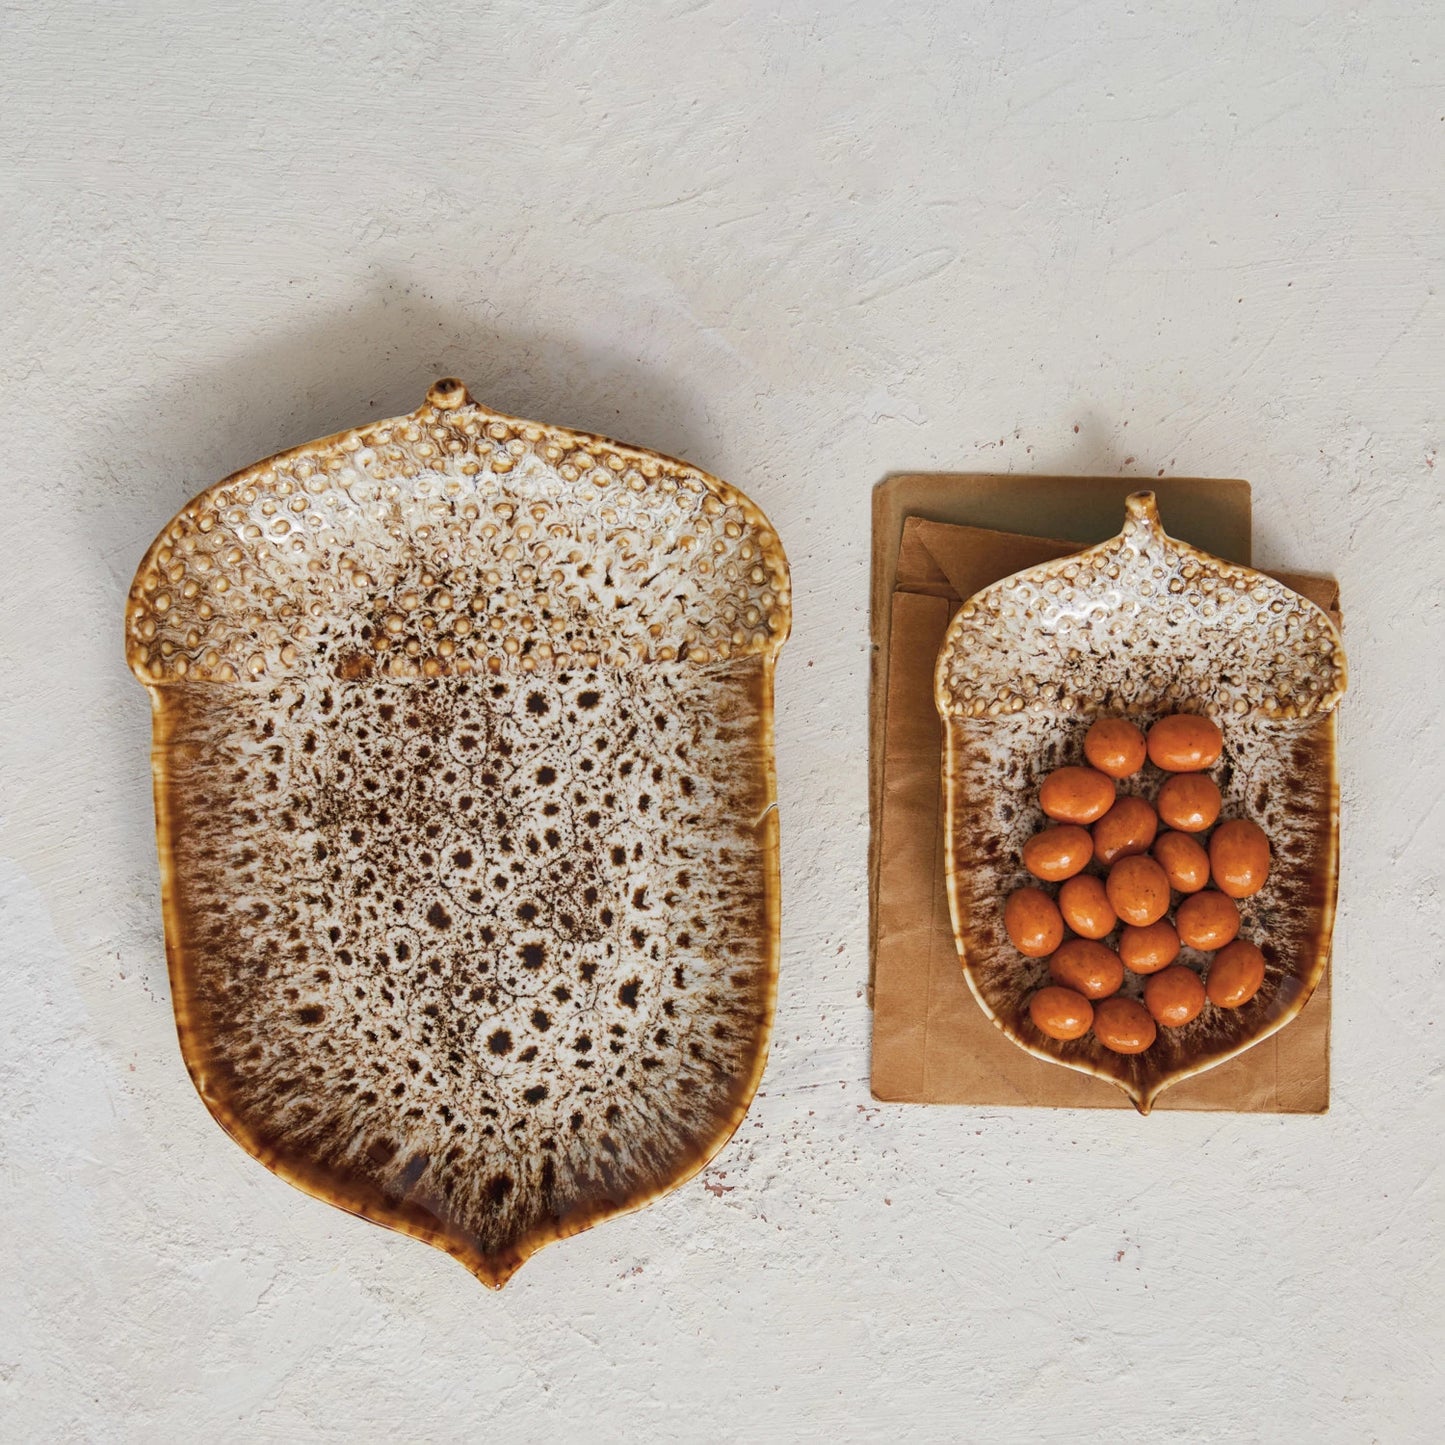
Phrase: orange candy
{"type": "Point", "coordinates": [1148, 949]}
{"type": "Point", "coordinates": [1123, 1025]}
{"type": "Point", "coordinates": [1128, 827]}
{"type": "Point", "coordinates": [1184, 861]}
{"type": "Point", "coordinates": [1207, 920]}
{"type": "Point", "coordinates": [1115, 747]}
{"type": "Point", "coordinates": [1138, 890]}
{"type": "Point", "coordinates": [1239, 858]}
{"type": "Point", "coordinates": [1144, 868]}
{"type": "Point", "coordinates": [1061, 1013]}
{"type": "Point", "coordinates": [1175, 996]}
{"type": "Point", "coordinates": [1184, 743]}
{"type": "Point", "coordinates": [1076, 795]}
{"type": "Point", "coordinates": [1084, 902]}
{"type": "Point", "coordinates": [1235, 975]}
{"type": "Point", "coordinates": [1087, 967]}
{"type": "Point", "coordinates": [1032, 921]}
{"type": "Point", "coordinates": [1189, 802]}
{"type": "Point", "coordinates": [1058, 853]}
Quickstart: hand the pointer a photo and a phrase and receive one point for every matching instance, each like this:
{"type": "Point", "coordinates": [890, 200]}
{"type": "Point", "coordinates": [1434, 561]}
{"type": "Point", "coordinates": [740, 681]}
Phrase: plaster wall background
{"type": "Point", "coordinates": [803, 246]}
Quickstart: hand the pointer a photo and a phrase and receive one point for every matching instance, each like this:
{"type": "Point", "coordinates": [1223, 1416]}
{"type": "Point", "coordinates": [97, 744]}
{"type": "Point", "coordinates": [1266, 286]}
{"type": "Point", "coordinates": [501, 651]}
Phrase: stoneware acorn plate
{"type": "Point", "coordinates": [464, 785]}
{"type": "Point", "coordinates": [1139, 627]}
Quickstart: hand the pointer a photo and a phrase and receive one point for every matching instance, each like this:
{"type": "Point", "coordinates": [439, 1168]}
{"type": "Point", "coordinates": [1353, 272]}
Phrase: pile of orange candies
{"type": "Point", "coordinates": [1135, 872]}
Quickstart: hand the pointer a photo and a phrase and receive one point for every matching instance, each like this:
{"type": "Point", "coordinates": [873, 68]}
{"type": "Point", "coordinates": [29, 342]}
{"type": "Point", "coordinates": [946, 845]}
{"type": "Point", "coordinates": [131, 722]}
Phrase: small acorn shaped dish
{"type": "Point", "coordinates": [1139, 628]}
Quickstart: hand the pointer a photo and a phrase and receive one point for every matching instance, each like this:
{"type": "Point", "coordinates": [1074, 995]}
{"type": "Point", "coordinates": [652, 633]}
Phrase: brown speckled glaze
{"type": "Point", "coordinates": [465, 798]}
{"type": "Point", "coordinates": [1140, 626]}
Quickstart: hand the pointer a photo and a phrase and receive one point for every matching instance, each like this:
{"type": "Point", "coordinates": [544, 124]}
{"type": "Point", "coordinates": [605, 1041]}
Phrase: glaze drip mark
{"type": "Point", "coordinates": [478, 941]}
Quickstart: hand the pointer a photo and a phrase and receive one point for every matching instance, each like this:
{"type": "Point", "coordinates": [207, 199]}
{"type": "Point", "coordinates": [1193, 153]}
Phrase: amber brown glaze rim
{"type": "Point", "coordinates": [493, 1270]}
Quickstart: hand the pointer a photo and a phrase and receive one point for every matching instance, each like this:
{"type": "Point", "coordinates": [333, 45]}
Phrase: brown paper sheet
{"type": "Point", "coordinates": [931, 1041]}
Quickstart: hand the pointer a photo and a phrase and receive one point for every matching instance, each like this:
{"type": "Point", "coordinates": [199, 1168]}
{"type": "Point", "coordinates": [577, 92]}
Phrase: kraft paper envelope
{"type": "Point", "coordinates": [931, 1041]}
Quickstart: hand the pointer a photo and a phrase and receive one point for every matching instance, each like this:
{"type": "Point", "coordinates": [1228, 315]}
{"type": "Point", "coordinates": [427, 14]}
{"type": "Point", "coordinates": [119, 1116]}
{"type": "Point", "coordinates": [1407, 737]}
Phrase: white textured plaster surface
{"type": "Point", "coordinates": [803, 246]}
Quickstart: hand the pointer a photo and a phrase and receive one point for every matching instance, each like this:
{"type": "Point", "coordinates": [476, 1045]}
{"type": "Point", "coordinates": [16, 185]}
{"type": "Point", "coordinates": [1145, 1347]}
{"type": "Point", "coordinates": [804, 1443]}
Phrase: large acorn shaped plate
{"type": "Point", "coordinates": [463, 760]}
{"type": "Point", "coordinates": [1141, 626]}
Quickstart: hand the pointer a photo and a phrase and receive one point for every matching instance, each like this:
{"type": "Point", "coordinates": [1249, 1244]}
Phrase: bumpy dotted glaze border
{"type": "Point", "coordinates": [453, 540]}
{"type": "Point", "coordinates": [1233, 638]}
